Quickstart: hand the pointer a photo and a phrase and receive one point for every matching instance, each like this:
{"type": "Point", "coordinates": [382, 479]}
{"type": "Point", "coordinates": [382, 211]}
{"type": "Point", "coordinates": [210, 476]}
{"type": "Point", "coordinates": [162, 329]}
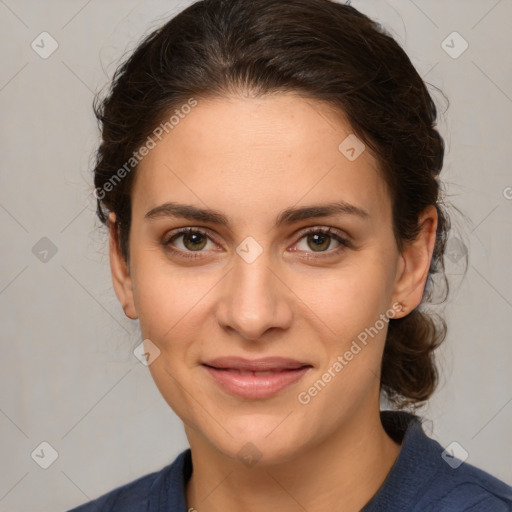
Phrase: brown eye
{"type": "Point", "coordinates": [193, 241]}
{"type": "Point", "coordinates": [319, 240]}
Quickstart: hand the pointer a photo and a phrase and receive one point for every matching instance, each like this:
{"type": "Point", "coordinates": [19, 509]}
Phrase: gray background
{"type": "Point", "coordinates": [68, 375]}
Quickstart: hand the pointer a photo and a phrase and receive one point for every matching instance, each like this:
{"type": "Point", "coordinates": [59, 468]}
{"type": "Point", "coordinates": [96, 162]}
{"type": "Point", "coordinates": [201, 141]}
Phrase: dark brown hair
{"type": "Point", "coordinates": [322, 50]}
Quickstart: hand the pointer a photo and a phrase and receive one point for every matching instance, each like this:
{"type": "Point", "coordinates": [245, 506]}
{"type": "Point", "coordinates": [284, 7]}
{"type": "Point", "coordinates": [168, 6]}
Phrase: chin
{"type": "Point", "coordinates": [259, 443]}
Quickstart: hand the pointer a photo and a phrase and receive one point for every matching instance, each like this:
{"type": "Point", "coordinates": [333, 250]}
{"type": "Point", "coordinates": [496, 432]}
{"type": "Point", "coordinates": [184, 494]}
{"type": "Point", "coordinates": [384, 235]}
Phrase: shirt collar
{"type": "Point", "coordinates": [417, 461]}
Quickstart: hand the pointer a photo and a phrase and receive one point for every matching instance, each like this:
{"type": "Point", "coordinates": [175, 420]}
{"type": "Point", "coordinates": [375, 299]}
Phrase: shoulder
{"type": "Point", "coordinates": [426, 477]}
{"type": "Point", "coordinates": [130, 497]}
{"type": "Point", "coordinates": [465, 489]}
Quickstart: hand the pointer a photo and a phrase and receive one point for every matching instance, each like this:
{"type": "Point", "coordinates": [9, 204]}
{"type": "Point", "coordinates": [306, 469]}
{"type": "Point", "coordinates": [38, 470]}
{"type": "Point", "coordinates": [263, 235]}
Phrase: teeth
{"type": "Point", "coordinates": [243, 372]}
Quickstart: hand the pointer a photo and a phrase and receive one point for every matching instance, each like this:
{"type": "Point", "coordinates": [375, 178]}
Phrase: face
{"type": "Point", "coordinates": [256, 280]}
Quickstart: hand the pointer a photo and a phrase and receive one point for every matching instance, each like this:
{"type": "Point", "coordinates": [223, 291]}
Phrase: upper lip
{"type": "Point", "coordinates": [263, 364]}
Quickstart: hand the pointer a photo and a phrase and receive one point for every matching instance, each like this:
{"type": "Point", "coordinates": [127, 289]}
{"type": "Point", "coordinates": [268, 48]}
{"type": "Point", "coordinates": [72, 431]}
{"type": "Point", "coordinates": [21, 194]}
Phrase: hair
{"type": "Point", "coordinates": [319, 49]}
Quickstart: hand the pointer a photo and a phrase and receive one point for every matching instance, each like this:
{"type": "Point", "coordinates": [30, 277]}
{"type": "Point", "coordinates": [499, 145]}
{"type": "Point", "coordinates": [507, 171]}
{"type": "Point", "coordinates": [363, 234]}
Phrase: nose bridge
{"type": "Point", "coordinates": [253, 299]}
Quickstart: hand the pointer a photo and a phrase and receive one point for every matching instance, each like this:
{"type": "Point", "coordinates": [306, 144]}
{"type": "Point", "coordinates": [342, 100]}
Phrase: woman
{"type": "Point", "coordinates": [269, 174]}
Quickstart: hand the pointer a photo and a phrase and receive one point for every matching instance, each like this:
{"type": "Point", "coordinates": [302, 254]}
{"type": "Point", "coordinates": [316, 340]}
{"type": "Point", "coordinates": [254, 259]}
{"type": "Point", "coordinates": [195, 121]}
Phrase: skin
{"type": "Point", "coordinates": [250, 159]}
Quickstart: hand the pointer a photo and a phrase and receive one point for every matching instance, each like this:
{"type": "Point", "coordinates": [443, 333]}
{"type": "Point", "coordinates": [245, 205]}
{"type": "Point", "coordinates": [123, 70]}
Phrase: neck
{"type": "Point", "coordinates": [343, 472]}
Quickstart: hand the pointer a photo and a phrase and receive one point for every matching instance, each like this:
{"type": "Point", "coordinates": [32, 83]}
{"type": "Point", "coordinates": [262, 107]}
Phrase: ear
{"type": "Point", "coordinates": [121, 278]}
{"type": "Point", "coordinates": [415, 263]}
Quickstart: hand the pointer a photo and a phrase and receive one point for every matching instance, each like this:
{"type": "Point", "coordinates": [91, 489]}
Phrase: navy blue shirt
{"type": "Point", "coordinates": [421, 480]}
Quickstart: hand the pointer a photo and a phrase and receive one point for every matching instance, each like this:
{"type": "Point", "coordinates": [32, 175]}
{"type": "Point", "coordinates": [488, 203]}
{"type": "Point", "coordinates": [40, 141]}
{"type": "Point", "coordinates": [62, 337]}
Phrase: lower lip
{"type": "Point", "coordinates": [255, 386]}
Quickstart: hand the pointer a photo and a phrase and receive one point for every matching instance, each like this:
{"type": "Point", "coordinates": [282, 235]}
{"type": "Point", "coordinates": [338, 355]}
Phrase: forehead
{"type": "Point", "coordinates": [263, 153]}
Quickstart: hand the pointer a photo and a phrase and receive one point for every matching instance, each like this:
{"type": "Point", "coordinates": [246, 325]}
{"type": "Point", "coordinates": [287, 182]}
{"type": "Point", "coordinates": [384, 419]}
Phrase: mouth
{"type": "Point", "coordinates": [255, 379]}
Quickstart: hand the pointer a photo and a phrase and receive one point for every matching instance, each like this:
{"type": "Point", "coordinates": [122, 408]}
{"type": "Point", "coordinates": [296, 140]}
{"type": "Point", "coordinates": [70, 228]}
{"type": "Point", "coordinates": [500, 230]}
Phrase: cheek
{"type": "Point", "coordinates": [349, 306]}
{"type": "Point", "coordinates": [348, 299]}
{"type": "Point", "coordinates": [167, 297]}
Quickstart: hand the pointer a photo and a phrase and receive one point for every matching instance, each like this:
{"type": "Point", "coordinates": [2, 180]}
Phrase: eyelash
{"type": "Point", "coordinates": [197, 254]}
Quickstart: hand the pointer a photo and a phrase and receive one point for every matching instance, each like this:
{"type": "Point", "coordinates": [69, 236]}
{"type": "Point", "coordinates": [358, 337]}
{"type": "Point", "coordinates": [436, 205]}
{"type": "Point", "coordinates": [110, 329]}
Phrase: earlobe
{"type": "Point", "coordinates": [415, 262]}
{"type": "Point", "coordinates": [121, 278]}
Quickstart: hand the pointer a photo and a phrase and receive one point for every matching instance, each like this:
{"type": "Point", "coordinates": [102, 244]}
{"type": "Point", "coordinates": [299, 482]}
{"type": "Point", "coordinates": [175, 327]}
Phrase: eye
{"type": "Point", "coordinates": [320, 240]}
{"type": "Point", "coordinates": [194, 240]}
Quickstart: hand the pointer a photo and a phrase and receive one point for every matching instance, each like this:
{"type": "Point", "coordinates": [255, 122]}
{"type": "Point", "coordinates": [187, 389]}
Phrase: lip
{"type": "Point", "coordinates": [254, 365]}
{"type": "Point", "coordinates": [237, 375]}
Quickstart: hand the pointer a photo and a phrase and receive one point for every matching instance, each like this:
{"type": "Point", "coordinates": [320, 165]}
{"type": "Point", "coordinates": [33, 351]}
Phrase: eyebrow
{"type": "Point", "coordinates": [288, 216]}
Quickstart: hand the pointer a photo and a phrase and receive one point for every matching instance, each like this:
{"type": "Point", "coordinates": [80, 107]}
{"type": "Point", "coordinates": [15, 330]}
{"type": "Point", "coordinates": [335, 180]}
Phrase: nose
{"type": "Point", "coordinates": [254, 299]}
